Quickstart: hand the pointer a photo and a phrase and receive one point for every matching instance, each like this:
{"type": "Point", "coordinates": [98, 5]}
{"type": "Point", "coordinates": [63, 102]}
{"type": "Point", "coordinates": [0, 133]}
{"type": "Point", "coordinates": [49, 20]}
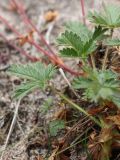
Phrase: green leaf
{"type": "Point", "coordinates": [78, 41]}
{"type": "Point", "coordinates": [80, 30]}
{"type": "Point", "coordinates": [109, 17]}
{"type": "Point", "coordinates": [36, 75]}
{"type": "Point", "coordinates": [46, 106]}
{"type": "Point", "coordinates": [99, 85]}
{"type": "Point", "coordinates": [71, 40]}
{"type": "Point", "coordinates": [98, 32]}
{"type": "Point", "coordinates": [112, 42]}
{"type": "Point", "coordinates": [69, 52]}
{"type": "Point", "coordinates": [55, 126]}
{"type": "Point", "coordinates": [24, 89]}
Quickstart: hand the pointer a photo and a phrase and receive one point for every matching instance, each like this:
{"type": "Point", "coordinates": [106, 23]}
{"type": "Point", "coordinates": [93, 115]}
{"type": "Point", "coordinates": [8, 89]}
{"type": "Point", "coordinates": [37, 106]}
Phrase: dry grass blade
{"type": "Point", "coordinates": [11, 127]}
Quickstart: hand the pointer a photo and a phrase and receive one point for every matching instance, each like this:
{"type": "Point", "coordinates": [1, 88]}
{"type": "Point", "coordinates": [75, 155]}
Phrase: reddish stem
{"type": "Point", "coordinates": [54, 57]}
{"type": "Point", "coordinates": [57, 60]}
{"type": "Point", "coordinates": [83, 11]}
{"type": "Point", "coordinates": [18, 34]}
{"type": "Point", "coordinates": [27, 21]}
{"type": "Point", "coordinates": [9, 26]}
{"type": "Point", "coordinates": [32, 58]}
{"type": "Point", "coordinates": [92, 4]}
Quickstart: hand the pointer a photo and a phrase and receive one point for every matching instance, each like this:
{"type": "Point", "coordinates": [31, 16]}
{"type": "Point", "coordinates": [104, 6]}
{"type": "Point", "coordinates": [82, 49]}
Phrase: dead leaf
{"type": "Point", "coordinates": [61, 114]}
{"type": "Point", "coordinates": [52, 157]}
{"type": "Point", "coordinates": [115, 119]}
{"type": "Point", "coordinates": [51, 16]}
{"type": "Point", "coordinates": [93, 135]}
{"type": "Point", "coordinates": [39, 157]}
{"type": "Point", "coordinates": [94, 111]}
{"type": "Point", "coordinates": [25, 38]}
{"type": "Point", "coordinates": [105, 135]}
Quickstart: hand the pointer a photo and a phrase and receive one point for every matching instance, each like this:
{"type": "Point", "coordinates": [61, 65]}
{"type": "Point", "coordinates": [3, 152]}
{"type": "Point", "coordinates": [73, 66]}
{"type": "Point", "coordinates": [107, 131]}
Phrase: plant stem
{"type": "Point", "coordinates": [83, 11]}
{"type": "Point", "coordinates": [80, 109]}
{"type": "Point", "coordinates": [93, 61]}
{"type": "Point", "coordinates": [68, 82]}
{"type": "Point", "coordinates": [28, 22]}
{"type": "Point", "coordinates": [111, 32]}
{"type": "Point", "coordinates": [72, 145]}
{"type": "Point", "coordinates": [92, 4]}
{"type": "Point", "coordinates": [54, 59]}
{"type": "Point", "coordinates": [32, 58]}
{"type": "Point", "coordinates": [105, 58]}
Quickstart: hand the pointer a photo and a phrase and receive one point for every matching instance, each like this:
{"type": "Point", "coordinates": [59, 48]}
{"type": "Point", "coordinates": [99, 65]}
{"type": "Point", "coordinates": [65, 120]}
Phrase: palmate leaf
{"type": "Point", "coordinates": [24, 89]}
{"type": "Point", "coordinates": [55, 126]}
{"type": "Point", "coordinates": [109, 17]}
{"type": "Point", "coordinates": [46, 106]}
{"type": "Point", "coordinates": [80, 30]}
{"type": "Point", "coordinates": [78, 41]}
{"type": "Point", "coordinates": [99, 85]}
{"type": "Point", "coordinates": [36, 75]}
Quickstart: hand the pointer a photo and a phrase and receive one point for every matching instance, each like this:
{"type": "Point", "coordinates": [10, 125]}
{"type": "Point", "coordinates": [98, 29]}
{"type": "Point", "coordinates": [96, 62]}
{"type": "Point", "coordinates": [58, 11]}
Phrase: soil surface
{"type": "Point", "coordinates": [28, 138]}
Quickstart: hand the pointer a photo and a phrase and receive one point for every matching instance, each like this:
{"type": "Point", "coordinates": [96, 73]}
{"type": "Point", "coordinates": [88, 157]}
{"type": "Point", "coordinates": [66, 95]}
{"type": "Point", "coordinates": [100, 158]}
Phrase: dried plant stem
{"type": "Point", "coordinates": [105, 58]}
{"type": "Point", "coordinates": [74, 144]}
{"type": "Point", "coordinates": [80, 109]}
{"type": "Point", "coordinates": [11, 127]}
{"type": "Point", "coordinates": [93, 61]}
{"type": "Point", "coordinates": [68, 82]}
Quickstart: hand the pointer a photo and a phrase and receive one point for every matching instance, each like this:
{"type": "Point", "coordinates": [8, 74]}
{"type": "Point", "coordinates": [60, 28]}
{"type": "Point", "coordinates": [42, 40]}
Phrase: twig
{"type": "Point", "coordinates": [11, 127]}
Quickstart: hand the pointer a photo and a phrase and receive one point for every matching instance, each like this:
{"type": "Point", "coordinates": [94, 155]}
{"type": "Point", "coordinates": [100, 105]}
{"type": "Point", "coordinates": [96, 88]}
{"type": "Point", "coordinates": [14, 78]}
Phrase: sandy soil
{"type": "Point", "coordinates": [29, 118]}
